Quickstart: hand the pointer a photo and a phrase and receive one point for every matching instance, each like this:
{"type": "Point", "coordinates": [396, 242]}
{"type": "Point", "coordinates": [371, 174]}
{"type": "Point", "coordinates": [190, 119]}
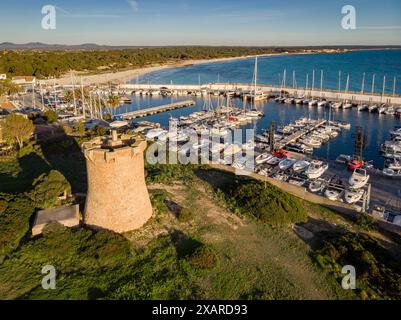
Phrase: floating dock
{"type": "Point", "coordinates": [299, 134]}
{"type": "Point", "coordinates": [153, 110]}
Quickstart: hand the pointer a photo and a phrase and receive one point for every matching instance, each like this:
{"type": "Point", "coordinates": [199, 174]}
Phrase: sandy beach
{"type": "Point", "coordinates": [126, 75]}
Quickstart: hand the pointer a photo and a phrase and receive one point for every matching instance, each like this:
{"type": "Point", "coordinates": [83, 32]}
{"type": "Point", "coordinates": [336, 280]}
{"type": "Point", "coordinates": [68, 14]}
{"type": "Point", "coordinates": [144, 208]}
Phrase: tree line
{"type": "Point", "coordinates": [44, 64]}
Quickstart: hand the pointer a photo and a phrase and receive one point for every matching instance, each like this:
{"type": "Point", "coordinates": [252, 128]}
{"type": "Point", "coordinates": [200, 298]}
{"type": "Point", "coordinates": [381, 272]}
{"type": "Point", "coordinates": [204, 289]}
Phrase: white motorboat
{"type": "Point", "coordinates": [296, 181]}
{"type": "Point", "coordinates": [332, 194]}
{"type": "Point", "coordinates": [347, 105]}
{"type": "Point", "coordinates": [336, 105]}
{"type": "Point", "coordinates": [298, 101]}
{"type": "Point", "coordinates": [353, 196]}
{"type": "Point", "coordinates": [316, 169]}
{"type": "Point", "coordinates": [262, 158]}
{"type": "Point", "coordinates": [396, 132]}
{"type": "Point", "coordinates": [286, 164]}
{"type": "Point", "coordinates": [395, 165]}
{"type": "Point", "coordinates": [358, 179]}
{"type": "Point", "coordinates": [274, 161]}
{"type": "Point", "coordinates": [373, 108]}
{"type": "Point", "coordinates": [311, 142]}
{"type": "Point", "coordinates": [322, 103]}
{"type": "Point", "coordinates": [382, 109]}
{"type": "Point", "coordinates": [118, 123]}
{"type": "Point", "coordinates": [343, 158]}
{"type": "Point", "coordinates": [249, 146]}
{"type": "Point", "coordinates": [392, 173]}
{"type": "Point", "coordinates": [312, 103]}
{"type": "Point", "coordinates": [390, 111]}
{"type": "Point", "coordinates": [362, 107]}
{"type": "Point", "coordinates": [300, 165]}
{"type": "Point", "coordinates": [154, 133]}
{"type": "Point", "coordinates": [317, 185]}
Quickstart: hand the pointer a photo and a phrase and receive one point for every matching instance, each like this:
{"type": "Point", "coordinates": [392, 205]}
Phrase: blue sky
{"type": "Point", "coordinates": [202, 22]}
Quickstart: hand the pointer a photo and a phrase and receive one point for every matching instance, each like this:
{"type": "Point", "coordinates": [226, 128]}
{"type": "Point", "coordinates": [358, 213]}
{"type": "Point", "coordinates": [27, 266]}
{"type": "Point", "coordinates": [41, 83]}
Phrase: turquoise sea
{"type": "Point", "coordinates": [270, 71]}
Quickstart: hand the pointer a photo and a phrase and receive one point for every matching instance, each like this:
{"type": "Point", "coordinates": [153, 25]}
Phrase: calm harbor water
{"type": "Point", "coordinates": [376, 127]}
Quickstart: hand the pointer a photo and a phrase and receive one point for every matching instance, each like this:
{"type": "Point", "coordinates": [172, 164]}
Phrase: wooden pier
{"type": "Point", "coordinates": [153, 110]}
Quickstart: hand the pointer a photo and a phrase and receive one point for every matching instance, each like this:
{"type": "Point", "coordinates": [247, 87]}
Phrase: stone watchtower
{"type": "Point", "coordinates": [117, 197]}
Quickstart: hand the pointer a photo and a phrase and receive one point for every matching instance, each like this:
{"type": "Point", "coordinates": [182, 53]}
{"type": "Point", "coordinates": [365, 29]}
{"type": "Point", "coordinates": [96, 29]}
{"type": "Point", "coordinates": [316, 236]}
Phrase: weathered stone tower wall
{"type": "Point", "coordinates": [117, 197]}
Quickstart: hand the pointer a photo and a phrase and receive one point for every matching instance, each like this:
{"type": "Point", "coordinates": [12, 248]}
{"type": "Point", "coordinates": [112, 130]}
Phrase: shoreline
{"type": "Point", "coordinates": [126, 75]}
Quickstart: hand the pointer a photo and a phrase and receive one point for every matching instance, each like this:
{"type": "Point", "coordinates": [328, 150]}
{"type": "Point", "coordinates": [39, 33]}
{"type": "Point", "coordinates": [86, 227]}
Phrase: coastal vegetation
{"type": "Point", "coordinates": [213, 235]}
{"type": "Point", "coordinates": [43, 64]}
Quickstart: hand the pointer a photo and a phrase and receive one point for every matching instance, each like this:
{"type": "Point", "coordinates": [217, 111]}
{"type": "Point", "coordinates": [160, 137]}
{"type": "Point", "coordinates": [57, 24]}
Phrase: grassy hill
{"type": "Point", "coordinates": [205, 241]}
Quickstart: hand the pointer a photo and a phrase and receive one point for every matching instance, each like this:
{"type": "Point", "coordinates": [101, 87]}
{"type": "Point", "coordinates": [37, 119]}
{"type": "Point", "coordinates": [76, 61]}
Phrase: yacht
{"type": "Point", "coordinates": [274, 161]}
{"type": "Point", "coordinates": [382, 109]}
{"type": "Point", "coordinates": [395, 165]}
{"type": "Point", "coordinates": [286, 164]}
{"type": "Point", "coordinates": [362, 107]}
{"type": "Point", "coordinates": [332, 194]}
{"type": "Point", "coordinates": [297, 181]}
{"type": "Point", "coordinates": [262, 158]}
{"type": "Point", "coordinates": [311, 142]}
{"type": "Point", "coordinates": [373, 108]}
{"type": "Point", "coordinates": [322, 103]}
{"type": "Point", "coordinates": [353, 196]}
{"type": "Point", "coordinates": [301, 166]}
{"type": "Point", "coordinates": [317, 185]}
{"type": "Point", "coordinates": [392, 173]}
{"type": "Point", "coordinates": [390, 111]}
{"type": "Point", "coordinates": [336, 105]}
{"type": "Point", "coordinates": [312, 103]}
{"type": "Point", "coordinates": [347, 105]}
{"type": "Point", "coordinates": [316, 169]}
{"type": "Point", "coordinates": [118, 123]}
{"type": "Point", "coordinates": [358, 179]}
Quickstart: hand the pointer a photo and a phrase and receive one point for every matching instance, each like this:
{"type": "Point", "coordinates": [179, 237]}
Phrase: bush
{"type": "Point", "coordinates": [50, 116]}
{"type": "Point", "coordinates": [203, 258]}
{"type": "Point", "coordinates": [14, 221]}
{"type": "Point", "coordinates": [47, 188]}
{"type": "Point", "coordinates": [98, 131]}
{"type": "Point", "coordinates": [185, 215]}
{"type": "Point", "coordinates": [265, 202]}
{"type": "Point", "coordinates": [378, 273]}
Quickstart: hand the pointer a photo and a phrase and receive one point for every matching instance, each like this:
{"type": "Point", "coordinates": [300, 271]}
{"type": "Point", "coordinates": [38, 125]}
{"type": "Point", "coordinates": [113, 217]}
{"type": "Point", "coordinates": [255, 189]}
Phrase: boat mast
{"type": "Point", "coordinates": [41, 94]}
{"type": "Point", "coordinates": [363, 83]}
{"type": "Point", "coordinates": [321, 83]}
{"type": "Point", "coordinates": [373, 84]}
{"type": "Point", "coordinates": [73, 94]}
{"type": "Point", "coordinates": [83, 99]}
{"type": "Point", "coordinates": [394, 83]}
{"type": "Point", "coordinates": [313, 83]}
{"type": "Point", "coordinates": [384, 88]}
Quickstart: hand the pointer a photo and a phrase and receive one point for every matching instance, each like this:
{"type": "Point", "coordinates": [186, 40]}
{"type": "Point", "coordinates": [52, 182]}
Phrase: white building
{"type": "Point", "coordinates": [24, 80]}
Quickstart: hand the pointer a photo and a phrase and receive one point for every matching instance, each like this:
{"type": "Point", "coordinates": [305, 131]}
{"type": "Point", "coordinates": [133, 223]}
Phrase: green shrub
{"type": "Point", "coordinates": [185, 215]}
{"type": "Point", "coordinates": [47, 188]}
{"type": "Point", "coordinates": [377, 271]}
{"type": "Point", "coordinates": [265, 202]}
{"type": "Point", "coordinates": [98, 131]}
{"type": "Point", "coordinates": [203, 258]}
{"type": "Point", "coordinates": [14, 221]}
{"type": "Point", "coordinates": [50, 116]}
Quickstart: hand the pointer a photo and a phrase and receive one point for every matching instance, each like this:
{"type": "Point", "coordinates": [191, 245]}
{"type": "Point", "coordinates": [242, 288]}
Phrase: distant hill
{"type": "Point", "coordinates": [45, 46]}
{"type": "Point", "coordinates": [94, 46]}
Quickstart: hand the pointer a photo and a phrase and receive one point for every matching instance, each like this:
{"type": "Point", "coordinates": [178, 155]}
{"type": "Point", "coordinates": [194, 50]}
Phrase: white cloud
{"type": "Point", "coordinates": [134, 5]}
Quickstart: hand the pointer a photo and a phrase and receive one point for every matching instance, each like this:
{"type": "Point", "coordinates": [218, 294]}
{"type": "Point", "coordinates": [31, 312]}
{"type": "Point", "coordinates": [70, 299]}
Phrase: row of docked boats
{"type": "Point", "coordinates": [391, 150]}
{"type": "Point", "coordinates": [379, 108]}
